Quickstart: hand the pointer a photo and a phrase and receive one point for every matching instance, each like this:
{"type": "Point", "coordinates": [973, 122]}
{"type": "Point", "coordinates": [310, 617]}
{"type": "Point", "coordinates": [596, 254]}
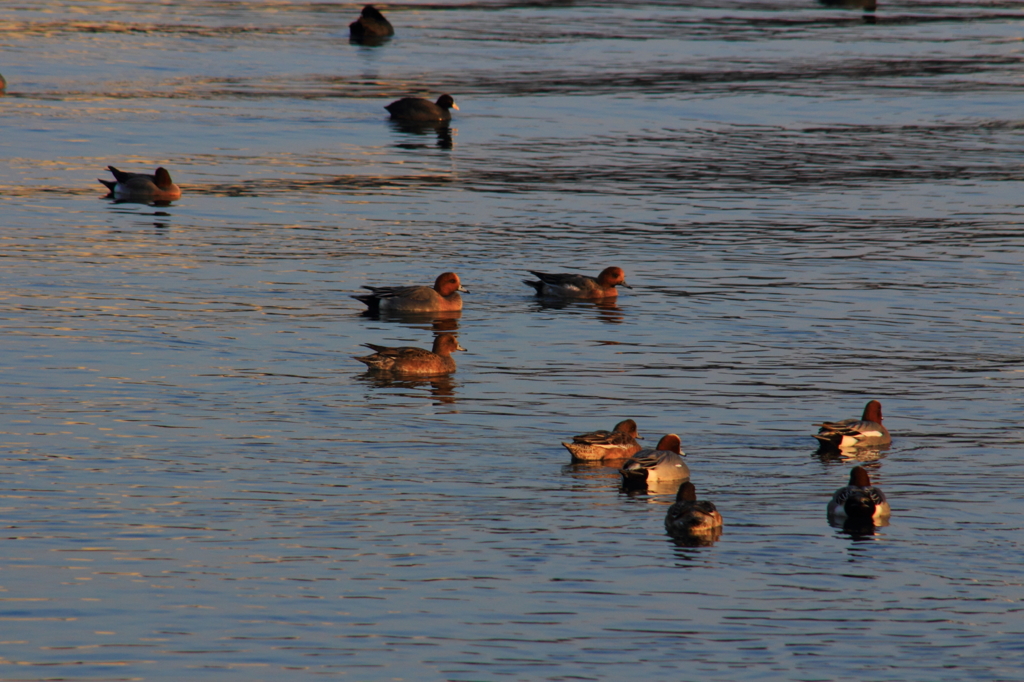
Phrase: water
{"type": "Point", "coordinates": [815, 206]}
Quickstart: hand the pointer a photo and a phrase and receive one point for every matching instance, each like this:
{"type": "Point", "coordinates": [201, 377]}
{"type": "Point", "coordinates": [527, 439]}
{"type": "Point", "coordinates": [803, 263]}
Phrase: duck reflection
{"type": "Point", "coordinates": [441, 387]}
{"type": "Point", "coordinates": [607, 309]}
{"type": "Point", "coordinates": [447, 321]}
{"type": "Point", "coordinates": [444, 132]}
{"type": "Point", "coordinates": [653, 490]}
{"type": "Point", "coordinates": [695, 538]}
{"type": "Point", "coordinates": [866, 5]}
{"type": "Point", "coordinates": [600, 470]}
{"type": "Point", "coordinates": [872, 453]}
{"type": "Point", "coordinates": [139, 201]}
{"type": "Point", "coordinates": [869, 7]}
{"type": "Point", "coordinates": [857, 529]}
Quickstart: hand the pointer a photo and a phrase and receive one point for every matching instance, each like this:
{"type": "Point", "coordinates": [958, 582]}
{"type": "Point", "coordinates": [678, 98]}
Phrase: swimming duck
{"type": "Point", "coordinates": [156, 187]}
{"type": "Point", "coordinates": [411, 360]}
{"type": "Point", "coordinates": [859, 500]}
{"type": "Point", "coordinates": [419, 109]}
{"type": "Point", "coordinates": [618, 443]}
{"type": "Point", "coordinates": [370, 26]}
{"type": "Point", "coordinates": [568, 285]}
{"type": "Point", "coordinates": [443, 297]}
{"type": "Point", "coordinates": [688, 515]}
{"type": "Point", "coordinates": [664, 463]}
{"type": "Point", "coordinates": [850, 433]}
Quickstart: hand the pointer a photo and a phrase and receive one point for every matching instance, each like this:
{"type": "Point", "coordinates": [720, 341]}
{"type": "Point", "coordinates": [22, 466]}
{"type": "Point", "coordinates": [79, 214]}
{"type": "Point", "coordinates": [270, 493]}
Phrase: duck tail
{"type": "Point", "coordinates": [539, 286]}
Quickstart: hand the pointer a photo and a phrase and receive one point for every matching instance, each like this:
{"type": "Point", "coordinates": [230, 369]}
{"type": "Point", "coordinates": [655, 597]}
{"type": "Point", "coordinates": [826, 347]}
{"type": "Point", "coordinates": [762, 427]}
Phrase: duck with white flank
{"type": "Point", "coordinates": [663, 463]}
{"type": "Point", "coordinates": [852, 433]}
{"type": "Point", "coordinates": [140, 186]}
{"type": "Point", "coordinates": [569, 285]}
{"type": "Point", "coordinates": [859, 501]}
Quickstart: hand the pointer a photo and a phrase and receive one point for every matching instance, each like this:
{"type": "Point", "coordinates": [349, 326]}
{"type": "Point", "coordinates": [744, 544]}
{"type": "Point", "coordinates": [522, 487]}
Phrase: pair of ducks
{"type": "Point", "coordinates": [372, 28]}
{"type": "Point", "coordinates": [859, 501]}
{"type": "Point", "coordinates": [444, 297]}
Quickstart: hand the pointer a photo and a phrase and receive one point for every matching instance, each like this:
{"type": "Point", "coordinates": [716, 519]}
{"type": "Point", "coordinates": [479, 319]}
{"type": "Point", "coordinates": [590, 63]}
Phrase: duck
{"type": "Point", "coordinates": [411, 360]}
{"type": "Point", "coordinates": [156, 187]}
{"type": "Point", "coordinates": [619, 443]}
{"type": "Point", "coordinates": [568, 285]}
{"type": "Point", "coordinates": [442, 297]}
{"type": "Point", "coordinates": [851, 433]}
{"type": "Point", "coordinates": [859, 500]}
{"type": "Point", "coordinates": [688, 515]}
{"type": "Point", "coordinates": [370, 26]}
{"type": "Point", "coordinates": [663, 463]}
{"type": "Point", "coordinates": [417, 109]}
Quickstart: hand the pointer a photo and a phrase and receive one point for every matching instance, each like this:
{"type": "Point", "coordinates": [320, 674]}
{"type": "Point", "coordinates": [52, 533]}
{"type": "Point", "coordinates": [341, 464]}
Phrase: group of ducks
{"type": "Point", "coordinates": [858, 503]}
{"type": "Point", "coordinates": [371, 27]}
{"type": "Point", "coordinates": [856, 506]}
{"type": "Point", "coordinates": [688, 517]}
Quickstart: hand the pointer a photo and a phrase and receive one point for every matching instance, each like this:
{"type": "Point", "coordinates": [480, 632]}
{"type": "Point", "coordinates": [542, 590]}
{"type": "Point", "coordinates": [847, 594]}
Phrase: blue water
{"type": "Point", "coordinates": [815, 206]}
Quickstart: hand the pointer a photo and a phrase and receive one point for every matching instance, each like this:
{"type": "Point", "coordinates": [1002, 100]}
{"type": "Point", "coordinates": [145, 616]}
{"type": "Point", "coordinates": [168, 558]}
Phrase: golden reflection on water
{"type": "Point", "coordinates": [700, 538]}
{"type": "Point", "coordinates": [441, 388]}
{"type": "Point", "coordinates": [867, 453]}
{"type": "Point", "coordinates": [594, 471]}
{"type": "Point", "coordinates": [664, 489]}
{"type": "Point", "coordinates": [438, 322]}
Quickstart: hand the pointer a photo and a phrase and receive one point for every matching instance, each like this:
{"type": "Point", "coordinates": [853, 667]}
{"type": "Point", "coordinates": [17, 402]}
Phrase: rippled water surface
{"type": "Point", "coordinates": [815, 204]}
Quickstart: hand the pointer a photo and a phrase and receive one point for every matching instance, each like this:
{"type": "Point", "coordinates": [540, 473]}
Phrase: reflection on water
{"type": "Point", "coordinates": [655, 492]}
{"type": "Point", "coordinates": [441, 388]}
{"type": "Point", "coordinates": [607, 310]}
{"type": "Point", "coordinates": [606, 471]}
{"type": "Point", "coordinates": [441, 321]}
{"type": "Point", "coordinates": [110, 198]}
{"type": "Point", "coordinates": [857, 529]}
{"type": "Point", "coordinates": [866, 5]}
{"type": "Point", "coordinates": [696, 538]}
{"type": "Point", "coordinates": [442, 130]}
{"type": "Point", "coordinates": [871, 453]}
{"type": "Point", "coordinates": [370, 42]}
